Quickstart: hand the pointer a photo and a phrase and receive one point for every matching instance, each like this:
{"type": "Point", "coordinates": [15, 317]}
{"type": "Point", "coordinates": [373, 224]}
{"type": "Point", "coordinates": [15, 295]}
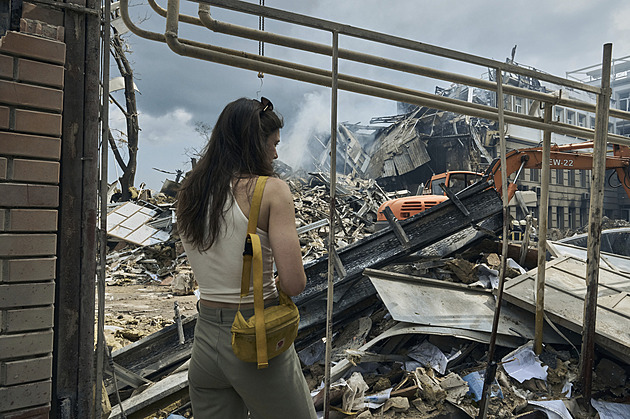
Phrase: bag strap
{"type": "Point", "coordinates": [254, 211]}
{"type": "Point", "coordinates": [252, 258]}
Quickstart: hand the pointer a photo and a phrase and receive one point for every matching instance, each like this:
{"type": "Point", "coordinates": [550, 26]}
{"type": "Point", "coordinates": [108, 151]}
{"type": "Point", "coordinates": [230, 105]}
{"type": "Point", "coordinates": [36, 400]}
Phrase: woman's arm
{"type": "Point", "coordinates": [283, 237]}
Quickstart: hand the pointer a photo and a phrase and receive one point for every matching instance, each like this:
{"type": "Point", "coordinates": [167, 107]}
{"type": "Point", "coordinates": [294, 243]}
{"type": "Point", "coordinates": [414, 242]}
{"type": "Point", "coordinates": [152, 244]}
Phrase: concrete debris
{"type": "Point", "coordinates": [409, 340]}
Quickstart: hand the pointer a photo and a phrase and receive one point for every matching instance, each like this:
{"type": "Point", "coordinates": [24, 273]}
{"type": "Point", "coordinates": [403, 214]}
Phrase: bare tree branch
{"type": "Point", "coordinates": [114, 148]}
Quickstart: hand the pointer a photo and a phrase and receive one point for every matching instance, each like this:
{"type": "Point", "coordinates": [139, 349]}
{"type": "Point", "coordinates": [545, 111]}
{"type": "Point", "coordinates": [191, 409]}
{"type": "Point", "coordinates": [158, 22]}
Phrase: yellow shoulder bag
{"type": "Point", "coordinates": [270, 331]}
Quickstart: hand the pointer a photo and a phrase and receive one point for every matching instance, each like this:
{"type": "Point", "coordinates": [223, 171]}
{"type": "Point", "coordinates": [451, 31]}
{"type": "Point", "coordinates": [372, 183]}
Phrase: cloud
{"type": "Point", "coordinates": [165, 141]}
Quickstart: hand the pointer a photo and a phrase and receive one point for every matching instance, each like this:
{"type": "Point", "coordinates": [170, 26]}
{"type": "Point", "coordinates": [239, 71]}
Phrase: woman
{"type": "Point", "coordinates": [212, 210]}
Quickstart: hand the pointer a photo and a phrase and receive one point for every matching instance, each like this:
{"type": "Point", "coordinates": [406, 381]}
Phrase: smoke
{"type": "Point", "coordinates": [311, 119]}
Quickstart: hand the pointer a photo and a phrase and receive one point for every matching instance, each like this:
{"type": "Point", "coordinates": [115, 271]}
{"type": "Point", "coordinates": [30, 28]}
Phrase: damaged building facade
{"type": "Point", "coordinates": [403, 151]}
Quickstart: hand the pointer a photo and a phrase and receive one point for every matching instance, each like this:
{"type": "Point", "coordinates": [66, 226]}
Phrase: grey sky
{"type": "Point", "coordinates": [552, 36]}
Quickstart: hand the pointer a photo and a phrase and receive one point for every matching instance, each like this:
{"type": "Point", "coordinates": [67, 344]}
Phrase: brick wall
{"type": "Point", "coordinates": [31, 100]}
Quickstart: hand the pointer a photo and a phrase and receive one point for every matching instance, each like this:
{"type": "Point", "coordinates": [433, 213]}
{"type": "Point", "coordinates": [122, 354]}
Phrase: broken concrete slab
{"type": "Point", "coordinates": [565, 288]}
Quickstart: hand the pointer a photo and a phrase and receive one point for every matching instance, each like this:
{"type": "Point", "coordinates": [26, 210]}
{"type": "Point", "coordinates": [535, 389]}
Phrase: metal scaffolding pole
{"type": "Point", "coordinates": [595, 229]}
{"type": "Point", "coordinates": [491, 368]}
{"type": "Point", "coordinates": [543, 216]}
{"type": "Point", "coordinates": [331, 221]}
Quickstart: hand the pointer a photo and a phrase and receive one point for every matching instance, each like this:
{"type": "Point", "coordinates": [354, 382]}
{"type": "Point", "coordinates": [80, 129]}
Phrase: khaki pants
{"type": "Point", "coordinates": [223, 386]}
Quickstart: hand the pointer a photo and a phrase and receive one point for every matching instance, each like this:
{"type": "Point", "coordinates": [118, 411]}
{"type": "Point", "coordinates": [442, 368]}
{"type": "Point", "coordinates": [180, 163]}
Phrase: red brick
{"type": "Point", "coordinates": [32, 220]}
{"type": "Point", "coordinates": [23, 45]}
{"type": "Point", "coordinates": [44, 14]}
{"type": "Point", "coordinates": [28, 195]}
{"type": "Point", "coordinates": [24, 270]}
{"type": "Point", "coordinates": [14, 144]}
{"type": "Point", "coordinates": [4, 117]}
{"type": "Point", "coordinates": [6, 66]}
{"type": "Point", "coordinates": [39, 73]}
{"type": "Point", "coordinates": [3, 168]}
{"type": "Point", "coordinates": [33, 122]}
{"type": "Point", "coordinates": [28, 244]}
{"type": "Point", "coordinates": [21, 94]}
{"type": "Point", "coordinates": [35, 171]}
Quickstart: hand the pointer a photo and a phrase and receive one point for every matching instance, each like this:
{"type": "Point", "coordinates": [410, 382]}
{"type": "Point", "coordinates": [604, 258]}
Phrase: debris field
{"type": "Point", "coordinates": [411, 342]}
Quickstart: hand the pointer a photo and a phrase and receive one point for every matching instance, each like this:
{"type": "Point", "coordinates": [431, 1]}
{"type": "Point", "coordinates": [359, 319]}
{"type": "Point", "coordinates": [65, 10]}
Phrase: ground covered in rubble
{"type": "Point", "coordinates": [148, 285]}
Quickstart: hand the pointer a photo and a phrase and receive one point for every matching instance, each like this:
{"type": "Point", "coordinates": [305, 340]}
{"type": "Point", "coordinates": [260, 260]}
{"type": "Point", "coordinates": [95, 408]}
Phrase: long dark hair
{"type": "Point", "coordinates": [237, 148]}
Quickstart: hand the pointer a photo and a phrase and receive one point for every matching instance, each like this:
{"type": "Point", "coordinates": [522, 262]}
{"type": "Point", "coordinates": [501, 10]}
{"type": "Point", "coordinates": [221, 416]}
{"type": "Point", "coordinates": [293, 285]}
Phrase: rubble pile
{"type": "Point", "coordinates": [416, 348]}
{"type": "Point", "coordinates": [357, 203]}
{"type": "Point", "coordinates": [133, 264]}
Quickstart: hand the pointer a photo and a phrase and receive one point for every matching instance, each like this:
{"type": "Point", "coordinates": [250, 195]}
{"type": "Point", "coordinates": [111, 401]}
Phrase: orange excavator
{"type": "Point", "coordinates": [562, 157]}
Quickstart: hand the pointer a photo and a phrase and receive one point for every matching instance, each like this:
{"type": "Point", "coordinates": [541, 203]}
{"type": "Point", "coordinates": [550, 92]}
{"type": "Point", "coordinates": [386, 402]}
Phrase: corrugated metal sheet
{"type": "Point", "coordinates": [403, 163]}
{"type": "Point", "coordinates": [418, 153]}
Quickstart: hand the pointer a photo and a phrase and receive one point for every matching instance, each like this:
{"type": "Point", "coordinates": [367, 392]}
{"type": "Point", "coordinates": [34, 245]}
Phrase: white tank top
{"type": "Point", "coordinates": [218, 270]}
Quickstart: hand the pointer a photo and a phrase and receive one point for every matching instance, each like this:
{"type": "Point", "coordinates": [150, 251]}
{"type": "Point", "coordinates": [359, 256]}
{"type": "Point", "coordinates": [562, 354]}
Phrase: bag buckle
{"type": "Point", "coordinates": [249, 249]}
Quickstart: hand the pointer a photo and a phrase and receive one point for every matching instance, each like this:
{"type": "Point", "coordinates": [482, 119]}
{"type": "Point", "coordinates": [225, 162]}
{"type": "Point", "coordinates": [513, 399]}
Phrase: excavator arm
{"type": "Point", "coordinates": [561, 157]}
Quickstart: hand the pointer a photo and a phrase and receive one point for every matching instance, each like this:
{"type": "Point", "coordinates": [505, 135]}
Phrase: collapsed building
{"type": "Point", "coordinates": [403, 151]}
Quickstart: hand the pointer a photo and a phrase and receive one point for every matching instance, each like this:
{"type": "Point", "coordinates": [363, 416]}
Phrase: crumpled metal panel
{"type": "Point", "coordinates": [431, 302]}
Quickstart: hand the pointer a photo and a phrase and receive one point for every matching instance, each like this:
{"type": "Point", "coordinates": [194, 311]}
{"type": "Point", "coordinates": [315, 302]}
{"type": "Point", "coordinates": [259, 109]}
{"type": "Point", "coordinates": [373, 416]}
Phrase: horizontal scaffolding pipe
{"type": "Point", "coordinates": [365, 34]}
{"type": "Point", "coordinates": [349, 83]}
{"type": "Point", "coordinates": [207, 21]}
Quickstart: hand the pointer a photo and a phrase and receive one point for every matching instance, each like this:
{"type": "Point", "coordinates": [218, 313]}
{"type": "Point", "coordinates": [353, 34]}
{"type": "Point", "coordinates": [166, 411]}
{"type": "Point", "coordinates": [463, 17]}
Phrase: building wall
{"type": "Point", "coordinates": [31, 101]}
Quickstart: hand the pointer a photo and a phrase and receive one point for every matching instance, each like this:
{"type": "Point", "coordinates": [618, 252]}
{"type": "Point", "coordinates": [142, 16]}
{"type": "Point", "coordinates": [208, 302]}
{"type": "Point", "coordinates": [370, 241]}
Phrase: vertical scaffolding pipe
{"type": "Point", "coordinates": [103, 186]}
{"type": "Point", "coordinates": [491, 368]}
{"type": "Point", "coordinates": [543, 215]}
{"type": "Point", "coordinates": [331, 220]}
{"type": "Point", "coordinates": [595, 228]}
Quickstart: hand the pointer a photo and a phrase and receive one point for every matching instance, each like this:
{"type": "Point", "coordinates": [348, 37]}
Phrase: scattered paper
{"type": "Point", "coordinates": [523, 364]}
{"type": "Point", "coordinates": [429, 355]}
{"type": "Point", "coordinates": [354, 393]}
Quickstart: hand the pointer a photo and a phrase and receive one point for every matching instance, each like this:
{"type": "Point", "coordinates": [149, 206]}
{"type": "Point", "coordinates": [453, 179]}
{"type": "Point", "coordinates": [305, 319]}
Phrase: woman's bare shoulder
{"type": "Point", "coordinates": [277, 187]}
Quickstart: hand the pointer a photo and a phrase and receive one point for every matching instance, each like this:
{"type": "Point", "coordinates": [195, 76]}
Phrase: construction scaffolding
{"type": "Point", "coordinates": [357, 84]}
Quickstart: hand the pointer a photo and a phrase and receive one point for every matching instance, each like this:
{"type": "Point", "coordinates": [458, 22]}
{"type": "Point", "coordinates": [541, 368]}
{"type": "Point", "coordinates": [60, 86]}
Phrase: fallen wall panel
{"type": "Point", "coordinates": [565, 288]}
